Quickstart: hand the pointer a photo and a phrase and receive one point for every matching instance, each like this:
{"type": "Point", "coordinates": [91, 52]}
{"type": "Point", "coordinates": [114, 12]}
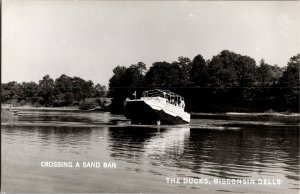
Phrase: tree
{"type": "Point", "coordinates": [185, 67]}
{"type": "Point", "coordinates": [88, 89]}
{"type": "Point", "coordinates": [100, 91]}
{"type": "Point", "coordinates": [11, 90]}
{"type": "Point", "coordinates": [290, 83]}
{"type": "Point", "coordinates": [125, 81]}
{"type": "Point", "coordinates": [82, 89]}
{"type": "Point", "coordinates": [268, 75]}
{"type": "Point", "coordinates": [221, 70]}
{"type": "Point", "coordinates": [141, 67]}
{"type": "Point", "coordinates": [15, 90]}
{"type": "Point", "coordinates": [290, 77]}
{"type": "Point", "coordinates": [30, 90]}
{"type": "Point", "coordinates": [245, 68]}
{"type": "Point", "coordinates": [69, 98]}
{"type": "Point", "coordinates": [117, 79]}
{"type": "Point", "coordinates": [117, 88]}
{"type": "Point", "coordinates": [63, 84]}
{"type": "Point", "coordinates": [163, 75]}
{"type": "Point", "coordinates": [46, 90]}
{"type": "Point", "coordinates": [5, 93]}
{"type": "Point", "coordinates": [231, 79]}
{"type": "Point", "coordinates": [133, 76]}
{"type": "Point", "coordinates": [229, 69]}
{"type": "Point", "coordinates": [199, 74]}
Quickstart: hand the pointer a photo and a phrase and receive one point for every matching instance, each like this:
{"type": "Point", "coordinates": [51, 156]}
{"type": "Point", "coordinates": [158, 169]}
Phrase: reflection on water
{"type": "Point", "coordinates": [145, 155]}
{"type": "Point", "coordinates": [168, 148]}
{"type": "Point", "coordinates": [127, 143]}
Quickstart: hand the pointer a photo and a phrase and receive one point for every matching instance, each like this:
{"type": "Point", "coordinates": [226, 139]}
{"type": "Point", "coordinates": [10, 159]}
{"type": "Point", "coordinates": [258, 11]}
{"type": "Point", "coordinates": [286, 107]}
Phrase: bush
{"type": "Point", "coordinates": [88, 105]}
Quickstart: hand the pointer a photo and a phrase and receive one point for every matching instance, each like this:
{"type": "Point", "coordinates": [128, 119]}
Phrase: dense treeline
{"type": "Point", "coordinates": [227, 82]}
{"type": "Point", "coordinates": [64, 91]}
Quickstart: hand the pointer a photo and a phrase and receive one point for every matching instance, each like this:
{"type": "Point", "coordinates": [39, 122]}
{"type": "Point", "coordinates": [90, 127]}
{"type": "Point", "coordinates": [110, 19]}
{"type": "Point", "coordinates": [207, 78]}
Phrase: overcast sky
{"type": "Point", "coordinates": [89, 38]}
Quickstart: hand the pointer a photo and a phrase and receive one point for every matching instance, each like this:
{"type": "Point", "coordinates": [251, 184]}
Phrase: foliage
{"type": "Point", "coordinates": [289, 83]}
{"type": "Point", "coordinates": [229, 69]}
{"type": "Point", "coordinates": [268, 75]}
{"type": "Point", "coordinates": [125, 82]}
{"type": "Point", "coordinates": [88, 105]}
{"type": "Point", "coordinates": [163, 74]}
{"type": "Point", "coordinates": [185, 67]}
{"type": "Point", "coordinates": [227, 82]}
{"type": "Point", "coordinates": [199, 74]}
{"type": "Point", "coordinates": [100, 91]}
{"type": "Point", "coordinates": [64, 91]}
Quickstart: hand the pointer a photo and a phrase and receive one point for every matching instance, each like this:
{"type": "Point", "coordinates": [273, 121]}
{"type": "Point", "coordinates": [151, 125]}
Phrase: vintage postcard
{"type": "Point", "coordinates": [150, 96]}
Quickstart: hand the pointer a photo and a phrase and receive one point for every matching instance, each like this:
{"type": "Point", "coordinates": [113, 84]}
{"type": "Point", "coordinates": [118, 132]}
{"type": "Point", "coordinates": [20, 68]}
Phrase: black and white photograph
{"type": "Point", "coordinates": [124, 96]}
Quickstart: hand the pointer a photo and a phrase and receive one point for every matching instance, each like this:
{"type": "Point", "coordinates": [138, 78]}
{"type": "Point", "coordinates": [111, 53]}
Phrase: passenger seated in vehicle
{"type": "Point", "coordinates": [182, 103]}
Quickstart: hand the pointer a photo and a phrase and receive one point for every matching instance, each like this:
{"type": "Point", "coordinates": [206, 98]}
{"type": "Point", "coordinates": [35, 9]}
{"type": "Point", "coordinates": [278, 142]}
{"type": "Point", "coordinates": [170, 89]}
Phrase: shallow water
{"type": "Point", "coordinates": [266, 152]}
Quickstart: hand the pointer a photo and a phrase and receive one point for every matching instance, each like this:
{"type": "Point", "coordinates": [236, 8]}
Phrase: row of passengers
{"type": "Point", "coordinates": [180, 104]}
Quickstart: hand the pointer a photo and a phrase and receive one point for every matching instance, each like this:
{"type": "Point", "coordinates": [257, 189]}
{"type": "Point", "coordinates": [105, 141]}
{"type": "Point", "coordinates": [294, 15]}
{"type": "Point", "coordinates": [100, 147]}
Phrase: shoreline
{"type": "Point", "coordinates": [193, 114]}
{"type": "Point", "coordinates": [246, 114]}
{"type": "Point", "coordinates": [29, 108]}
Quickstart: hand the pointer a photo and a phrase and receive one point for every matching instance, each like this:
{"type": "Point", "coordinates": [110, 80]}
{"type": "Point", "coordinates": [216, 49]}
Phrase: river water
{"type": "Point", "coordinates": [207, 155]}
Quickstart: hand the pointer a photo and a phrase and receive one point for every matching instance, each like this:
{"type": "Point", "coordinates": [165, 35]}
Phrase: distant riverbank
{"type": "Point", "coordinates": [285, 117]}
{"type": "Point", "coordinates": [198, 115]}
{"type": "Point", "coordinates": [31, 108]}
{"type": "Point", "coordinates": [254, 114]}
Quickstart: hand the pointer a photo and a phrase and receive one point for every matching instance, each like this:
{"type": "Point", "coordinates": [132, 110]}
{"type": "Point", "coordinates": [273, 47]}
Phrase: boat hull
{"type": "Point", "coordinates": [154, 112]}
